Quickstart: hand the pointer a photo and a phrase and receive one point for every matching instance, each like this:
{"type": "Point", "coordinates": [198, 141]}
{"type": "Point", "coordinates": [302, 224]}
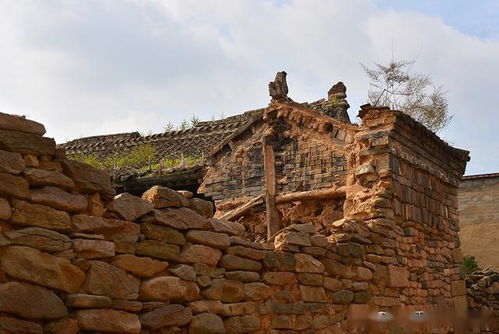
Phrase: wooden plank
{"type": "Point", "coordinates": [272, 215]}
{"type": "Point", "coordinates": [311, 195]}
{"type": "Point", "coordinates": [243, 209]}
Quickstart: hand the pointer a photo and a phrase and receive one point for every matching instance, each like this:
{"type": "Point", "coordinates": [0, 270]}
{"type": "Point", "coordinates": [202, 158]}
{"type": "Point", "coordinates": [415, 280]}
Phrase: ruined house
{"type": "Point", "coordinates": [318, 221]}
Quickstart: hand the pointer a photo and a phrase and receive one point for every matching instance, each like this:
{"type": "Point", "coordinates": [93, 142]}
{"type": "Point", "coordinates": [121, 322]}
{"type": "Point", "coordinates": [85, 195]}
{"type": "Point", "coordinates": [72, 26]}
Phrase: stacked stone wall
{"type": "Point", "coordinates": [406, 196]}
{"type": "Point", "coordinates": [75, 258]}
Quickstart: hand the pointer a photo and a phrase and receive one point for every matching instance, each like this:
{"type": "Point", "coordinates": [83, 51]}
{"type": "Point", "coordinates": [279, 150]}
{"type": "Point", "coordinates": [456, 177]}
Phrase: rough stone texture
{"type": "Point", "coordinates": [225, 290]}
{"type": "Point", "coordinates": [26, 143]}
{"type": "Point", "coordinates": [200, 254]}
{"type": "Point", "coordinates": [34, 266]}
{"type": "Point", "coordinates": [5, 210]}
{"type": "Point", "coordinates": [13, 186]}
{"type": "Point", "coordinates": [169, 288]}
{"type": "Point", "coordinates": [178, 218]}
{"type": "Point", "coordinates": [129, 207]}
{"type": "Point", "coordinates": [62, 326]}
{"type": "Point", "coordinates": [211, 239]}
{"type": "Point", "coordinates": [59, 199]}
{"type": "Point", "coordinates": [162, 233]}
{"type": "Point", "coordinates": [30, 301]}
{"type": "Point", "coordinates": [111, 281]}
{"type": "Point", "coordinates": [42, 177]}
{"type": "Point", "coordinates": [87, 178]}
{"type": "Point", "coordinates": [161, 197]}
{"type": "Point", "coordinates": [203, 207]}
{"type": "Point", "coordinates": [232, 262]}
{"type": "Point", "coordinates": [39, 215]}
{"type": "Point", "coordinates": [112, 229]}
{"type": "Point", "coordinates": [12, 163]}
{"type": "Point", "coordinates": [158, 249]}
{"type": "Point", "coordinates": [241, 324]}
{"type": "Point", "coordinates": [12, 325]}
{"type": "Point", "coordinates": [139, 266]}
{"type": "Point", "coordinates": [398, 277]}
{"type": "Point", "coordinates": [20, 123]}
{"type": "Point", "coordinates": [227, 227]}
{"type": "Point", "coordinates": [93, 249]}
{"type": "Point", "coordinates": [171, 315]}
{"type": "Point", "coordinates": [207, 323]}
{"type": "Point", "coordinates": [39, 238]}
{"type": "Point", "coordinates": [88, 301]}
{"type": "Point", "coordinates": [107, 320]}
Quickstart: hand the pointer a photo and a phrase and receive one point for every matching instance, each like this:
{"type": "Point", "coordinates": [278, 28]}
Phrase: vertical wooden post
{"type": "Point", "coordinates": [270, 190]}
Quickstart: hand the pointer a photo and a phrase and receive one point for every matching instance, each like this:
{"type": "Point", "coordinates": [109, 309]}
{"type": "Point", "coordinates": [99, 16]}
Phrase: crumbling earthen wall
{"type": "Point", "coordinates": [402, 185]}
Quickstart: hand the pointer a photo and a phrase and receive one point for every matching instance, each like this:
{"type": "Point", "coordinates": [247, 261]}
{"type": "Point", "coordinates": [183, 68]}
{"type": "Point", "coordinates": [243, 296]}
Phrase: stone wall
{"type": "Point", "coordinates": [479, 218]}
{"type": "Point", "coordinates": [75, 258]}
{"type": "Point", "coordinates": [402, 186]}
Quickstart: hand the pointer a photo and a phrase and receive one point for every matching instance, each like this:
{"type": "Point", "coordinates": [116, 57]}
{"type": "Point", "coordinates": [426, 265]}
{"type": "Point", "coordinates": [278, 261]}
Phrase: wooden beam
{"type": "Point", "coordinates": [272, 215]}
{"type": "Point", "coordinates": [311, 195]}
{"type": "Point", "coordinates": [291, 197]}
{"type": "Point", "coordinates": [243, 209]}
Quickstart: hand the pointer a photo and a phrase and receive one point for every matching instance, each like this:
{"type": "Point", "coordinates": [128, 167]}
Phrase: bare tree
{"type": "Point", "coordinates": [396, 86]}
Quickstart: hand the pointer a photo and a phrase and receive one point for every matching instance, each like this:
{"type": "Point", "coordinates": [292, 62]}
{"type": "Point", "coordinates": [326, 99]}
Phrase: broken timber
{"type": "Point", "coordinates": [291, 197]}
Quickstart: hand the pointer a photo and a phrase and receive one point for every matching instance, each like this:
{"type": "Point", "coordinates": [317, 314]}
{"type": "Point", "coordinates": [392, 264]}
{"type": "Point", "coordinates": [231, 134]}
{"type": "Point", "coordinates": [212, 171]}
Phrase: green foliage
{"type": "Point", "coordinates": [470, 264]}
{"type": "Point", "coordinates": [143, 158]}
{"type": "Point", "coordinates": [194, 121]}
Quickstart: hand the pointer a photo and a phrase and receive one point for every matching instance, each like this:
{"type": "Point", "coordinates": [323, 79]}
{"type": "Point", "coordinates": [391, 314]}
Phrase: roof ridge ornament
{"type": "Point", "coordinates": [278, 89]}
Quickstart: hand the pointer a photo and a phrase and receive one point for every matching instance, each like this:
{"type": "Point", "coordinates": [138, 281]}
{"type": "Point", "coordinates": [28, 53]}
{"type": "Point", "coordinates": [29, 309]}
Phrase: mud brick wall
{"type": "Point", "coordinates": [402, 200]}
{"type": "Point", "coordinates": [300, 164]}
{"type": "Point", "coordinates": [75, 258]}
{"type": "Point", "coordinates": [479, 219]}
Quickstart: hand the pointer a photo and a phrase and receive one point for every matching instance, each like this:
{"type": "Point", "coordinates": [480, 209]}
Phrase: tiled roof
{"type": "Point", "coordinates": [192, 142]}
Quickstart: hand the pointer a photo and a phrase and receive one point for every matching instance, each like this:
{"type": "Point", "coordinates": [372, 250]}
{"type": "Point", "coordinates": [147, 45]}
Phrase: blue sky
{"type": "Point", "coordinates": [105, 66]}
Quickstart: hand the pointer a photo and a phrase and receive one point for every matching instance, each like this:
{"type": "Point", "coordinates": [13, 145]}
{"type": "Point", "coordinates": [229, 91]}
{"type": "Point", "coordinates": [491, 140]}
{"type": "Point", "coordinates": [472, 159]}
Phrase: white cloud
{"type": "Point", "coordinates": [102, 66]}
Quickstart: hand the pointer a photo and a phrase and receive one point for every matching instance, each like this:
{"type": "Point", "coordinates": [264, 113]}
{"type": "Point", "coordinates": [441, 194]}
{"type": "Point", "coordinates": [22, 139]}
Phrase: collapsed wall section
{"type": "Point", "coordinates": [401, 198]}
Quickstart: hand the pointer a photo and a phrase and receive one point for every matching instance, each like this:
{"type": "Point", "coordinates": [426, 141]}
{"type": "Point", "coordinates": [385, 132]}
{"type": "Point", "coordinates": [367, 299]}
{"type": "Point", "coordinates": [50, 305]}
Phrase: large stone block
{"type": "Point", "coordinates": [93, 249]}
{"type": "Point", "coordinates": [162, 233]}
{"type": "Point", "coordinates": [227, 227]}
{"type": "Point", "coordinates": [129, 207]}
{"type": "Point", "coordinates": [203, 207]}
{"type": "Point", "coordinates": [241, 324]}
{"type": "Point", "coordinates": [106, 320]}
{"type": "Point", "coordinates": [12, 163]}
{"type": "Point", "coordinates": [42, 177]}
{"type": "Point", "coordinates": [207, 238]}
{"type": "Point", "coordinates": [13, 325]}
{"type": "Point", "coordinates": [180, 219]}
{"type": "Point", "coordinates": [39, 215]}
{"type": "Point", "coordinates": [398, 277]}
{"type": "Point", "coordinates": [224, 290]}
{"type": "Point", "coordinates": [59, 199]}
{"type": "Point", "coordinates": [31, 265]}
{"type": "Point", "coordinates": [5, 209]}
{"type": "Point", "coordinates": [111, 281]}
{"type": "Point", "coordinates": [112, 229]}
{"type": "Point", "coordinates": [207, 323]}
{"type": "Point", "coordinates": [170, 315]}
{"type": "Point", "coordinates": [232, 262]}
{"type": "Point", "coordinates": [40, 238]}
{"type": "Point", "coordinates": [158, 249]}
{"type": "Point", "coordinates": [313, 294]}
{"type": "Point", "coordinates": [169, 288]}
{"type": "Point", "coordinates": [13, 186]}
{"type": "Point", "coordinates": [26, 143]}
{"type": "Point", "coordinates": [139, 266]}
{"type": "Point", "coordinates": [162, 197]}
{"type": "Point", "coordinates": [88, 179]}
{"type": "Point", "coordinates": [200, 254]}
{"type": "Point", "coordinates": [62, 326]}
{"type": "Point", "coordinates": [30, 301]}
{"type": "Point", "coordinates": [80, 300]}
{"type": "Point", "coordinates": [21, 124]}
{"type": "Point", "coordinates": [257, 291]}
{"type": "Point", "coordinates": [307, 264]}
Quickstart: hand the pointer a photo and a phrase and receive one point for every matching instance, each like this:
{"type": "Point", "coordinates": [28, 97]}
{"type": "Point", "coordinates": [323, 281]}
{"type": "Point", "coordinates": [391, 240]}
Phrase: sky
{"type": "Point", "coordinates": [94, 67]}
